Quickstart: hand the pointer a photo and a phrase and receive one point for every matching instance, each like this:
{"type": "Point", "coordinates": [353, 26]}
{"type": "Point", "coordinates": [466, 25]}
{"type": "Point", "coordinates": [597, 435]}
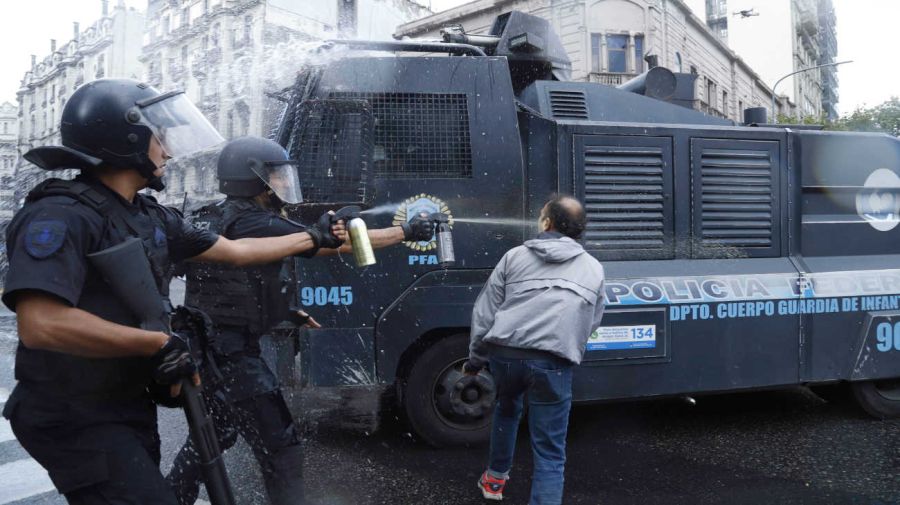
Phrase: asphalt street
{"type": "Point", "coordinates": [785, 447]}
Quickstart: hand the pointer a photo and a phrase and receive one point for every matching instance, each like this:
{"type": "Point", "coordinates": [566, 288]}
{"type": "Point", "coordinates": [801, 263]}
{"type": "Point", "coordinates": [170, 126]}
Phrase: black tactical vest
{"type": "Point", "coordinates": [73, 376]}
{"type": "Point", "coordinates": [248, 300]}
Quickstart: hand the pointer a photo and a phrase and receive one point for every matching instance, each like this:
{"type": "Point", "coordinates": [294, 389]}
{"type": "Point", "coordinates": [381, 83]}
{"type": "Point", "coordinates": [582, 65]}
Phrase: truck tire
{"type": "Point", "coordinates": [434, 410]}
{"type": "Point", "coordinates": [879, 398]}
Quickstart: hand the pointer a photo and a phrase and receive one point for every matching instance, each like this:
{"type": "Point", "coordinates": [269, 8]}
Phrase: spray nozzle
{"type": "Point", "coordinates": [439, 217]}
{"type": "Point", "coordinates": [347, 213]}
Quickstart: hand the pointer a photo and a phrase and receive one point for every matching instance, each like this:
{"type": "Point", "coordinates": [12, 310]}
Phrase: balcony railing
{"type": "Point", "coordinates": [610, 78]}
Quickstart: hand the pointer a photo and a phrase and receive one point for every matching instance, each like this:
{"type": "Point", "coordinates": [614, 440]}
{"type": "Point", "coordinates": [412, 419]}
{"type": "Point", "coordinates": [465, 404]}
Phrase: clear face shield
{"type": "Point", "coordinates": [281, 177]}
{"type": "Point", "coordinates": [178, 125]}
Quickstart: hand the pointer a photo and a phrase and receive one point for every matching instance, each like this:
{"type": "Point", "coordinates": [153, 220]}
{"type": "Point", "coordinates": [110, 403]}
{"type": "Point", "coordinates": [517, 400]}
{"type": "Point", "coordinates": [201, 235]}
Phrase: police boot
{"type": "Point", "coordinates": [283, 474]}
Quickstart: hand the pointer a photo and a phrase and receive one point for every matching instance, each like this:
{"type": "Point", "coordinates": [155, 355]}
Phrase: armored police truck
{"type": "Point", "coordinates": [738, 256]}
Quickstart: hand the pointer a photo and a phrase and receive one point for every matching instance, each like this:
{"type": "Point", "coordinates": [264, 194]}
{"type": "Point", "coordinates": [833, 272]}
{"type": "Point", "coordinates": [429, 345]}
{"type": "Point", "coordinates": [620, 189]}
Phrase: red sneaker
{"type": "Point", "coordinates": [491, 487]}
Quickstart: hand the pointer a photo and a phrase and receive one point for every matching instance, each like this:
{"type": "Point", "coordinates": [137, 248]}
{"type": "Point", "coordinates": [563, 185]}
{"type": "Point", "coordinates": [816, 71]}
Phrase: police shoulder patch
{"type": "Point", "coordinates": [44, 237]}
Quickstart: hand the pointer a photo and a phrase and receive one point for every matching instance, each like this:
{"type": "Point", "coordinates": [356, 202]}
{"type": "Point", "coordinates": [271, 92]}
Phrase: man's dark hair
{"type": "Point", "coordinates": [567, 215]}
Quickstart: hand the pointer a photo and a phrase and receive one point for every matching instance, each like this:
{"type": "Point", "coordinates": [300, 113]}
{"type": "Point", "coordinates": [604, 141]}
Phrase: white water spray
{"type": "Point", "coordinates": [494, 221]}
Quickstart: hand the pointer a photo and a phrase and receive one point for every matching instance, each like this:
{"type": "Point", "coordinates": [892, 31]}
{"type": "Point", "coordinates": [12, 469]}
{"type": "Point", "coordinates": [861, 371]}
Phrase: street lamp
{"type": "Point", "coordinates": [833, 64]}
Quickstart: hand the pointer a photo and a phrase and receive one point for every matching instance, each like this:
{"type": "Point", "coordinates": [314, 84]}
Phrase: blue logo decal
{"type": "Point", "coordinates": [159, 237]}
{"type": "Point", "coordinates": [43, 238]}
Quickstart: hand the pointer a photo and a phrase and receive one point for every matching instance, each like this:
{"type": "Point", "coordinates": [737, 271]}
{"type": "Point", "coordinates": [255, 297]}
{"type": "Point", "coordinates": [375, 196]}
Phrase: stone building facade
{"type": "Point", "coordinates": [9, 157]}
{"type": "Point", "coordinates": [607, 41]}
{"type": "Point", "coordinates": [230, 55]}
{"type": "Point", "coordinates": [108, 48]}
{"type": "Point", "coordinates": [780, 37]}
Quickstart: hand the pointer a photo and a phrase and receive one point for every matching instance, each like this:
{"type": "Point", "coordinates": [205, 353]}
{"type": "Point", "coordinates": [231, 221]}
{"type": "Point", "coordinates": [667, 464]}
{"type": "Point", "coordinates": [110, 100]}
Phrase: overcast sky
{"type": "Point", "coordinates": [867, 34]}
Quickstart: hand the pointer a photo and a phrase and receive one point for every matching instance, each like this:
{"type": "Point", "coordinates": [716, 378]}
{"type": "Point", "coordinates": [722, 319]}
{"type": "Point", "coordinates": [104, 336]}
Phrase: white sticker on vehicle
{"type": "Point", "coordinates": [622, 337]}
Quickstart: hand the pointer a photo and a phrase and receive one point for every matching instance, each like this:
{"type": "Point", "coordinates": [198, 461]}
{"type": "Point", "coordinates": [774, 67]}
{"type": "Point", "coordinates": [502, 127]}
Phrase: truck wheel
{"type": "Point", "coordinates": [879, 398]}
{"type": "Point", "coordinates": [443, 410]}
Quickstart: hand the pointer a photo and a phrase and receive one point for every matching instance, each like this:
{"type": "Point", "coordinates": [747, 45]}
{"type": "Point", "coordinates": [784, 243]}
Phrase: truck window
{"type": "Point", "coordinates": [419, 135]}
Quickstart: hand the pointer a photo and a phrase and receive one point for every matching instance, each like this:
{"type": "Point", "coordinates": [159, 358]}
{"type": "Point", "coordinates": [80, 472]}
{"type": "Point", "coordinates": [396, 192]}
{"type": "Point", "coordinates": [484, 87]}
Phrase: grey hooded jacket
{"type": "Point", "coordinates": [546, 295]}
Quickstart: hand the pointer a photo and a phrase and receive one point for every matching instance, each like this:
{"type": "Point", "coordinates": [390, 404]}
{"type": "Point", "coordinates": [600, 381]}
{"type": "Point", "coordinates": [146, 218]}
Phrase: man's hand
{"type": "Point", "coordinates": [470, 369]}
{"type": "Point", "coordinates": [418, 229]}
{"type": "Point", "coordinates": [339, 230]}
{"type": "Point", "coordinates": [173, 362]}
{"type": "Point", "coordinates": [301, 318]}
{"type": "Point", "coordinates": [325, 233]}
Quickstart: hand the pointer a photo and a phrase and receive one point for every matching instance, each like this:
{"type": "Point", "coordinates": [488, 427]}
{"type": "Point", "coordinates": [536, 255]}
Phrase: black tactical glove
{"type": "Point", "coordinates": [418, 229]}
{"type": "Point", "coordinates": [321, 233]}
{"type": "Point", "coordinates": [173, 361]}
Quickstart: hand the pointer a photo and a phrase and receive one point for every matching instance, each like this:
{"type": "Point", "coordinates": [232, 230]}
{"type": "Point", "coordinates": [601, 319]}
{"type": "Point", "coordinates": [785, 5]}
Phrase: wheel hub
{"type": "Point", "coordinates": [464, 396]}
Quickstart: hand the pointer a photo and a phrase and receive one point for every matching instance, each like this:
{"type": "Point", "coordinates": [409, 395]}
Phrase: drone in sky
{"type": "Point", "coordinates": [746, 13]}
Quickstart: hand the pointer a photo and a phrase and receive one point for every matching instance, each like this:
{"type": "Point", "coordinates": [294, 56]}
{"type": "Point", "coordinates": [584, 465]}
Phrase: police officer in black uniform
{"type": "Point", "coordinates": [83, 406]}
{"type": "Point", "coordinates": [245, 303]}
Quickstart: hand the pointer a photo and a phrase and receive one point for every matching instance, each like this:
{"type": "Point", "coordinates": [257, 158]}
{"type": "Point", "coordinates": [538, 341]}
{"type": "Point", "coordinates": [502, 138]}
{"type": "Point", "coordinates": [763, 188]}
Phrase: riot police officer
{"type": "Point", "coordinates": [83, 405]}
{"type": "Point", "coordinates": [245, 303]}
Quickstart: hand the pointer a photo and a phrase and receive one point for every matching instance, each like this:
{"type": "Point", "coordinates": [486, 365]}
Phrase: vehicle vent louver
{"type": "Point", "coordinates": [624, 198]}
{"type": "Point", "coordinates": [737, 205]}
{"type": "Point", "coordinates": [568, 104]}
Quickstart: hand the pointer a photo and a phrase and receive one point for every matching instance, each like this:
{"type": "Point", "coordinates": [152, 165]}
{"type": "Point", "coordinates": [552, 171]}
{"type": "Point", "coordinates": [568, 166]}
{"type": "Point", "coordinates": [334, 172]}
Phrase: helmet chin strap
{"type": "Point", "coordinates": [146, 168]}
{"type": "Point", "coordinates": [274, 201]}
{"type": "Point", "coordinates": [156, 183]}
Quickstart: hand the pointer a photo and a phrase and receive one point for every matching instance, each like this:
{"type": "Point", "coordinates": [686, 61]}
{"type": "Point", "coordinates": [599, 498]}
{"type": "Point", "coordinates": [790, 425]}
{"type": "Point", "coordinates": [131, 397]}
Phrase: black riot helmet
{"type": "Point", "coordinates": [111, 121]}
{"type": "Point", "coordinates": [249, 166]}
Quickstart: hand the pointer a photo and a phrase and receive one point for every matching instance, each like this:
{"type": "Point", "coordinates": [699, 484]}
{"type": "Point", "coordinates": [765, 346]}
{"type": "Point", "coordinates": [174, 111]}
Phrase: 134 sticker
{"type": "Point", "coordinates": [320, 296]}
{"type": "Point", "coordinates": [623, 337]}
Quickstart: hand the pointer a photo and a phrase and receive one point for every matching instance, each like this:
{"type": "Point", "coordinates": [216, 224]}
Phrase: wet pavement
{"type": "Point", "coordinates": [780, 447]}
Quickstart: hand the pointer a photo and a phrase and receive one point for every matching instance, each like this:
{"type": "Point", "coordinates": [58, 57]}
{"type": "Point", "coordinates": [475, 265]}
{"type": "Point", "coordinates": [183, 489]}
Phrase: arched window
{"type": "Point", "coordinates": [678, 61]}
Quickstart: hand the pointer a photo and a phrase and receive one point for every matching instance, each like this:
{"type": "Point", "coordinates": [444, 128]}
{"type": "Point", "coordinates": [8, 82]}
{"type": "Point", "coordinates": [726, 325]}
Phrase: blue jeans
{"type": "Point", "coordinates": [548, 385]}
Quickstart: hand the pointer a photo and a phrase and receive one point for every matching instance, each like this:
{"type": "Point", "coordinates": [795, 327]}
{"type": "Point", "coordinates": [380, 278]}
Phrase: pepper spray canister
{"type": "Point", "coordinates": [359, 235]}
{"type": "Point", "coordinates": [444, 239]}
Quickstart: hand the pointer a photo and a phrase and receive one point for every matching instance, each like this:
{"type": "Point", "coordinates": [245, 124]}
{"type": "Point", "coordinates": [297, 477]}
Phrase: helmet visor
{"type": "Point", "coordinates": [281, 177]}
{"type": "Point", "coordinates": [180, 127]}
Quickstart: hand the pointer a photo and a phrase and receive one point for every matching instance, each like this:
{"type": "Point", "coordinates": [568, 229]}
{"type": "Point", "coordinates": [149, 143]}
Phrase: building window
{"type": "Point", "coordinates": [616, 48]}
{"type": "Point", "coordinates": [711, 93]}
{"type": "Point", "coordinates": [165, 25]}
{"type": "Point", "coordinates": [101, 66]}
{"type": "Point", "coordinates": [185, 17]}
{"type": "Point", "coordinates": [725, 103]}
{"type": "Point", "coordinates": [5, 127]}
{"type": "Point", "coordinates": [678, 63]}
{"type": "Point", "coordinates": [639, 54]}
{"type": "Point", "coordinates": [248, 28]}
{"type": "Point", "coordinates": [184, 54]}
{"type": "Point", "coordinates": [596, 65]}
{"type": "Point", "coordinates": [215, 34]}
{"type": "Point", "coordinates": [741, 110]}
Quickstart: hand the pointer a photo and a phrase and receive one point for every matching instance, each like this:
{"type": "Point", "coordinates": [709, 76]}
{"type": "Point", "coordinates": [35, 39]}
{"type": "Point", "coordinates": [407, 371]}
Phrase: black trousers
{"type": "Point", "coordinates": [95, 453]}
{"type": "Point", "coordinates": [265, 423]}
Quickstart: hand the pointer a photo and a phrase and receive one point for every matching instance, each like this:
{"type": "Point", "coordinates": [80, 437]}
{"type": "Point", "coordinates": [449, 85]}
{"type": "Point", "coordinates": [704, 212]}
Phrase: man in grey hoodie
{"type": "Point", "coordinates": [531, 323]}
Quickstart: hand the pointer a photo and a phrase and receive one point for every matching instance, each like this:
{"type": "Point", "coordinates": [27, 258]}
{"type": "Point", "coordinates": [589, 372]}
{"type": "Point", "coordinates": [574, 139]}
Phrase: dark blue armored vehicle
{"type": "Point", "coordinates": [738, 256]}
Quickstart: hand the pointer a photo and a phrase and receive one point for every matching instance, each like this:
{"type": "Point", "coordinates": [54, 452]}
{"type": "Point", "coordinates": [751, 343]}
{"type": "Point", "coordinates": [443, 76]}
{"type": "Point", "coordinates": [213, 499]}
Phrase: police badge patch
{"type": "Point", "coordinates": [43, 238]}
{"type": "Point", "coordinates": [159, 237]}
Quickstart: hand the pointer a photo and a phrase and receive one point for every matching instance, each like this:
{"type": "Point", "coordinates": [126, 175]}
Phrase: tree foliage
{"type": "Point", "coordinates": [881, 118]}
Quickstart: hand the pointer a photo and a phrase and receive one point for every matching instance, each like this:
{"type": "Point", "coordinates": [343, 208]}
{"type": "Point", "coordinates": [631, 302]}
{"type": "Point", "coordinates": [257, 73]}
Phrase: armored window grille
{"type": "Point", "coordinates": [332, 144]}
{"type": "Point", "coordinates": [419, 135]}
